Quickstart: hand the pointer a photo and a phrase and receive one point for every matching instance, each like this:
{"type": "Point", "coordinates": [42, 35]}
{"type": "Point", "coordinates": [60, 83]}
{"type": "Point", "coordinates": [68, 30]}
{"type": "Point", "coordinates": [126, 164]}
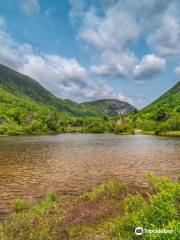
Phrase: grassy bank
{"type": "Point", "coordinates": [109, 211]}
{"type": "Point", "coordinates": [166, 134]}
{"type": "Point", "coordinates": [170, 134]}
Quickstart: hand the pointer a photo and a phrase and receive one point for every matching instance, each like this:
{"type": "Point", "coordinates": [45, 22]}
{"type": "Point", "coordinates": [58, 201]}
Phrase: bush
{"type": "Point", "coordinates": [160, 211]}
{"type": "Point", "coordinates": [123, 129]}
{"type": "Point", "coordinates": [96, 127]}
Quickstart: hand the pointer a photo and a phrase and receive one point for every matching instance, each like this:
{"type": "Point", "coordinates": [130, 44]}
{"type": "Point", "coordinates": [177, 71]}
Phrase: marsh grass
{"type": "Point", "coordinates": [109, 189]}
{"type": "Point", "coordinates": [20, 205]}
{"type": "Point", "coordinates": [36, 223]}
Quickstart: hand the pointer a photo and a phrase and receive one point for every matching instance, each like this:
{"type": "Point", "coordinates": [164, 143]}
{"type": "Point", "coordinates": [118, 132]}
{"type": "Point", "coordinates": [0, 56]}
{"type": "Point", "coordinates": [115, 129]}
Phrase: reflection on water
{"type": "Point", "coordinates": [33, 166]}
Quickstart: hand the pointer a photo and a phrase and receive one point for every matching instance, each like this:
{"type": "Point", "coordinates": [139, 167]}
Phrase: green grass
{"type": "Point", "coordinates": [171, 134]}
{"type": "Point", "coordinates": [110, 189]}
{"type": "Point", "coordinates": [20, 205]}
{"type": "Point", "coordinates": [35, 223]}
{"type": "Point", "coordinates": [166, 134]}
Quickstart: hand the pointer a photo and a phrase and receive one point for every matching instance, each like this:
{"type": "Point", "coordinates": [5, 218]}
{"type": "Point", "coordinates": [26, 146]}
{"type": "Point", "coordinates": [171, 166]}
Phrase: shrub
{"type": "Point", "coordinates": [160, 211]}
{"type": "Point", "coordinates": [96, 127]}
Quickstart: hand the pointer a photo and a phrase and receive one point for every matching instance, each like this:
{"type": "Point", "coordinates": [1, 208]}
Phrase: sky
{"type": "Point", "coordinates": [92, 49]}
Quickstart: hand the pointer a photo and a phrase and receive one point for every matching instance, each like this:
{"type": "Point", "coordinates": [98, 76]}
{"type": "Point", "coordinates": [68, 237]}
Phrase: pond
{"type": "Point", "coordinates": [31, 167]}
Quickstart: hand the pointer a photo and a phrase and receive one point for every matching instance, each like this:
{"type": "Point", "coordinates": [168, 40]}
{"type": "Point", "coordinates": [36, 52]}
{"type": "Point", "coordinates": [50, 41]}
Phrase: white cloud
{"type": "Point", "coordinates": [110, 36]}
{"type": "Point", "coordinates": [12, 54]}
{"type": "Point", "coordinates": [177, 70]}
{"type": "Point", "coordinates": [113, 71]}
{"type": "Point", "coordinates": [165, 38]}
{"type": "Point", "coordinates": [110, 30]}
{"type": "Point", "coordinates": [116, 30]}
{"type": "Point", "coordinates": [126, 59]}
{"type": "Point", "coordinates": [30, 6]}
{"type": "Point", "coordinates": [119, 25]}
{"type": "Point", "coordinates": [65, 77]}
{"type": "Point", "coordinates": [149, 67]}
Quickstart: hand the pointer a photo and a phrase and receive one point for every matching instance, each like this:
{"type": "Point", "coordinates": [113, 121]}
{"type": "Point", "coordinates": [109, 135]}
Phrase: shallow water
{"type": "Point", "coordinates": [30, 167]}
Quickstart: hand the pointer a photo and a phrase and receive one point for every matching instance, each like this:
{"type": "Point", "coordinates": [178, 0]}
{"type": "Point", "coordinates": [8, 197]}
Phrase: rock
{"type": "Point", "coordinates": [2, 121]}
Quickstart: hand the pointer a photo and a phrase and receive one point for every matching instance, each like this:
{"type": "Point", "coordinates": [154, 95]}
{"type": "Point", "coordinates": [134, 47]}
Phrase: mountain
{"type": "Point", "coordinates": [163, 114]}
{"type": "Point", "coordinates": [169, 100]}
{"type": "Point", "coordinates": [28, 108]}
{"type": "Point", "coordinates": [109, 106]}
{"type": "Point", "coordinates": [23, 86]}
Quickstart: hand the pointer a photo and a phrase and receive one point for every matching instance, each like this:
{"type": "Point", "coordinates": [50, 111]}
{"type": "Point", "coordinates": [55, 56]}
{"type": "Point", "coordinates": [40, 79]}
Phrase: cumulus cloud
{"type": "Point", "coordinates": [113, 71]}
{"type": "Point", "coordinates": [114, 29]}
{"type": "Point", "coordinates": [10, 53]}
{"type": "Point", "coordinates": [65, 77]}
{"type": "Point", "coordinates": [30, 6]}
{"type": "Point", "coordinates": [110, 35]}
{"type": "Point", "coordinates": [165, 39]}
{"type": "Point", "coordinates": [126, 59]}
{"type": "Point", "coordinates": [149, 67]}
{"type": "Point", "coordinates": [110, 30]}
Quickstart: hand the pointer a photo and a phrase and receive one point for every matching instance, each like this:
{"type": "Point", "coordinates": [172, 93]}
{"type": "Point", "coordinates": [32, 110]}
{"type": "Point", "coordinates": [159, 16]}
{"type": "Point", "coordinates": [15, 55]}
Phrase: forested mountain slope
{"type": "Point", "coordinates": [22, 85]}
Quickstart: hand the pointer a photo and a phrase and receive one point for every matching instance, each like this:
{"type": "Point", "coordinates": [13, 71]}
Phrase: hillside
{"type": "Point", "coordinates": [170, 100]}
{"type": "Point", "coordinates": [28, 108]}
{"type": "Point", "coordinates": [19, 84]}
{"type": "Point", "coordinates": [22, 85]}
{"type": "Point", "coordinates": [110, 106]}
{"type": "Point", "coordinates": [163, 114]}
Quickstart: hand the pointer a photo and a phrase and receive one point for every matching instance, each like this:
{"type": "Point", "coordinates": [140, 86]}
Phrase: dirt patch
{"type": "Point", "coordinates": [90, 212]}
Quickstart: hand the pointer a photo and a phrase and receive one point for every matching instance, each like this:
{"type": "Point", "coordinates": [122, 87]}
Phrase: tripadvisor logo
{"type": "Point", "coordinates": [139, 231]}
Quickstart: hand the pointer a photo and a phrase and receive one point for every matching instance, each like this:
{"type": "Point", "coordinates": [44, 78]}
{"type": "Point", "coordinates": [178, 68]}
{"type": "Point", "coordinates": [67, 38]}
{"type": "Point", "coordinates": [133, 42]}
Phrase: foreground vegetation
{"type": "Point", "coordinates": [111, 211]}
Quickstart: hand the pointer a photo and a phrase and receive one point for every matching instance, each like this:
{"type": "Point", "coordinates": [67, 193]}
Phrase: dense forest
{"type": "Point", "coordinates": [28, 108]}
{"type": "Point", "coordinates": [161, 115]}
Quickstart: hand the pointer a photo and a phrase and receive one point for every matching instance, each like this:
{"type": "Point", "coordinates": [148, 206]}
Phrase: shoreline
{"type": "Point", "coordinates": [153, 133]}
{"type": "Point", "coordinates": [162, 134]}
{"type": "Point", "coordinates": [105, 211]}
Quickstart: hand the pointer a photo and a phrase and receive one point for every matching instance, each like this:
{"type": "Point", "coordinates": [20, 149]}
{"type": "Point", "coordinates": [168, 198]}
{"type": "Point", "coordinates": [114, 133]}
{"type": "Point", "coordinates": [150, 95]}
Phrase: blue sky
{"type": "Point", "coordinates": [86, 50]}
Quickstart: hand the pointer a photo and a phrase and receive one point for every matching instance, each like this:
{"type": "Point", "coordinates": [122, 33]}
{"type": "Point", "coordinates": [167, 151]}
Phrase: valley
{"type": "Point", "coordinates": [26, 108]}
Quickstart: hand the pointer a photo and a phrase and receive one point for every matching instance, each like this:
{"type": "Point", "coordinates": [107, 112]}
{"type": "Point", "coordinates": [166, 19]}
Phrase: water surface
{"type": "Point", "coordinates": [30, 167]}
